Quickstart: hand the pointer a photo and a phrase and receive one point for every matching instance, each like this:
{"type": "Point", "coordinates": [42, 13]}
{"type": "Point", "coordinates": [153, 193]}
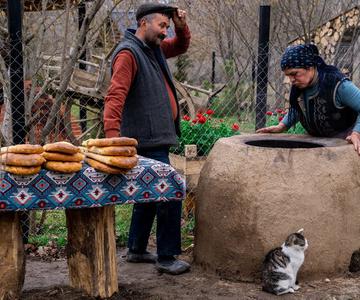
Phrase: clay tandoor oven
{"type": "Point", "coordinates": [254, 190]}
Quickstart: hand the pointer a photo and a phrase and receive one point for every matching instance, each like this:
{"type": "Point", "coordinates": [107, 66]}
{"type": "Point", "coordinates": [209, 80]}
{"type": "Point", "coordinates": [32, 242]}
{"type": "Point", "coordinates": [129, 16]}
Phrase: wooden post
{"type": "Point", "coordinates": [12, 259]}
{"type": "Point", "coordinates": [91, 250]}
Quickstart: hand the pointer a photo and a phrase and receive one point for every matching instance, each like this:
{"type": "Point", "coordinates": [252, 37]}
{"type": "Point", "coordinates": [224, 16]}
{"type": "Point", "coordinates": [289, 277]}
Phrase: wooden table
{"type": "Point", "coordinates": [88, 198]}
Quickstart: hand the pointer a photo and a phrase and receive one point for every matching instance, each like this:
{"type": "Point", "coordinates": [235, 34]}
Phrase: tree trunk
{"type": "Point", "coordinates": [12, 259]}
{"type": "Point", "coordinates": [91, 250]}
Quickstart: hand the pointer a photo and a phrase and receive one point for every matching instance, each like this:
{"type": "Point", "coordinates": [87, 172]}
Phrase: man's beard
{"type": "Point", "coordinates": [156, 42]}
{"type": "Point", "coordinates": [161, 36]}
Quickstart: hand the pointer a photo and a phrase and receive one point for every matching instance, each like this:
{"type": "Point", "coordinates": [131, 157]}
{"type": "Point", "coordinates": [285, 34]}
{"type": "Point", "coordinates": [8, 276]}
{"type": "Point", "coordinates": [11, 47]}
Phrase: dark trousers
{"type": "Point", "coordinates": [168, 214]}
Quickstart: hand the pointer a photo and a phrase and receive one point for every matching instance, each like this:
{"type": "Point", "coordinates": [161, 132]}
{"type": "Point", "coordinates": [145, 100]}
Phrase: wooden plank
{"type": "Point", "coordinates": [189, 167]}
{"type": "Point", "coordinates": [194, 166]}
{"type": "Point", "coordinates": [178, 162]}
{"type": "Point", "coordinates": [91, 250]}
{"type": "Point", "coordinates": [52, 58]}
{"type": "Point", "coordinates": [84, 78]}
{"type": "Point", "coordinates": [12, 259]}
{"type": "Point", "coordinates": [195, 88]}
{"type": "Point", "coordinates": [51, 68]}
{"type": "Point", "coordinates": [89, 63]}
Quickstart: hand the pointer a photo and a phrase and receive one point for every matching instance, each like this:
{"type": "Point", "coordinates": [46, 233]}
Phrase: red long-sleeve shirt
{"type": "Point", "coordinates": [124, 71]}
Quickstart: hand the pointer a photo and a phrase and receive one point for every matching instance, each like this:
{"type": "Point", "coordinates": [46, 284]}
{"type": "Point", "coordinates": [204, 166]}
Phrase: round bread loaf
{"type": "Point", "coordinates": [63, 167]}
{"type": "Point", "coordinates": [23, 149]}
{"type": "Point", "coordinates": [22, 160]}
{"type": "Point", "coordinates": [122, 162]}
{"type": "Point", "coordinates": [62, 147]}
{"type": "Point", "coordinates": [118, 141]}
{"type": "Point", "coordinates": [113, 150]}
{"type": "Point", "coordinates": [103, 167]}
{"type": "Point", "coordinates": [21, 170]}
{"type": "Point", "coordinates": [54, 156]}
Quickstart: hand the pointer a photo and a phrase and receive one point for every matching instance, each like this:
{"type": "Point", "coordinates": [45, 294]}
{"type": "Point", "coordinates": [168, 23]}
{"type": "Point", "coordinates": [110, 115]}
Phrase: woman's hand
{"type": "Point", "coordinates": [354, 138]}
{"type": "Point", "coordinates": [273, 129]}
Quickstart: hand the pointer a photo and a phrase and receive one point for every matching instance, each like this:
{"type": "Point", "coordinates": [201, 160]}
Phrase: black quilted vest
{"type": "Point", "coordinates": [322, 118]}
{"type": "Point", "coordinates": [147, 114]}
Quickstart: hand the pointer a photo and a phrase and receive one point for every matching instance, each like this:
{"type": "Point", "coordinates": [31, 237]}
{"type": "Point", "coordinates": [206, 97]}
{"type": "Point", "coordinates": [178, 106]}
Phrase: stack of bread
{"type": "Point", "coordinates": [62, 157]}
{"type": "Point", "coordinates": [111, 155]}
{"type": "Point", "coordinates": [23, 159]}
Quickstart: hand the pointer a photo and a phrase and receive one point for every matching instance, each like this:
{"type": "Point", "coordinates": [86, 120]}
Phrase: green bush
{"type": "Point", "coordinates": [203, 131]}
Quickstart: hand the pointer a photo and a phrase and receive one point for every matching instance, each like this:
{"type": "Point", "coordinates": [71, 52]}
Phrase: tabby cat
{"type": "Point", "coordinates": [281, 265]}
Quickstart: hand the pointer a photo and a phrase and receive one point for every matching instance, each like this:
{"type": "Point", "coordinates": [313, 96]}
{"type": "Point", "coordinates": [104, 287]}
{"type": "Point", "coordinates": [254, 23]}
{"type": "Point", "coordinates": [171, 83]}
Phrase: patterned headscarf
{"type": "Point", "coordinates": [300, 56]}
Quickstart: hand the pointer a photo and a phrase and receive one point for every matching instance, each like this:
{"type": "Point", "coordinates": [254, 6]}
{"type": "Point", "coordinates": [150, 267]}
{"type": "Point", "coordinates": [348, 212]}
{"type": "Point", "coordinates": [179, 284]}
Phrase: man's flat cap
{"type": "Point", "coordinates": [151, 8]}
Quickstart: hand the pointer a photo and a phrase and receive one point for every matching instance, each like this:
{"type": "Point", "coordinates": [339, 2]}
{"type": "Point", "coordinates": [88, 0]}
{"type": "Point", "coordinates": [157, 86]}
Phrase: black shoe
{"type": "Point", "coordinates": [141, 258]}
{"type": "Point", "coordinates": [173, 267]}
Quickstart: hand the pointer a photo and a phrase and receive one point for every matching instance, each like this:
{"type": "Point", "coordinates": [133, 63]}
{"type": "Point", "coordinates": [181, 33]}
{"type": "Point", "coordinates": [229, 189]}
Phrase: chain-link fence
{"type": "Point", "coordinates": [65, 65]}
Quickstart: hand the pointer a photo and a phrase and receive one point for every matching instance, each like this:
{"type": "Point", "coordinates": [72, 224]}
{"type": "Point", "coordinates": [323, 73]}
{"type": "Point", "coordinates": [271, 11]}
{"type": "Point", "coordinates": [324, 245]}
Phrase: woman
{"type": "Point", "coordinates": [322, 98]}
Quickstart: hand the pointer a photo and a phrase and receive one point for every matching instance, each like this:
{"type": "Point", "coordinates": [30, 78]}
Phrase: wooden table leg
{"type": "Point", "coordinates": [12, 259]}
{"type": "Point", "coordinates": [91, 250]}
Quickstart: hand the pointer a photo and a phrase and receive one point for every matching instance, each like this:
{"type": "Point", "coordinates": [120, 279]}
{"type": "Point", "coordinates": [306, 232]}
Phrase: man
{"type": "Point", "coordinates": [141, 103]}
{"type": "Point", "coordinates": [323, 99]}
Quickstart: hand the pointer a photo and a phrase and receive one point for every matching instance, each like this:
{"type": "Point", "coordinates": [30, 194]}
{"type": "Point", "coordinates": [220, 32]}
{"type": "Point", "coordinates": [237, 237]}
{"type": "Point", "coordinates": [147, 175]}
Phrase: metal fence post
{"type": "Point", "coordinates": [17, 87]}
{"type": "Point", "coordinates": [16, 71]}
{"type": "Point", "coordinates": [213, 70]}
{"type": "Point", "coordinates": [263, 65]}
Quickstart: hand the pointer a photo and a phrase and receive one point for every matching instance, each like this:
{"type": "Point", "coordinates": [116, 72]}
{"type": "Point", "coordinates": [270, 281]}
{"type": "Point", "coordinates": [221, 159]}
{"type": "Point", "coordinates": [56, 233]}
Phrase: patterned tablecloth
{"type": "Point", "coordinates": [150, 181]}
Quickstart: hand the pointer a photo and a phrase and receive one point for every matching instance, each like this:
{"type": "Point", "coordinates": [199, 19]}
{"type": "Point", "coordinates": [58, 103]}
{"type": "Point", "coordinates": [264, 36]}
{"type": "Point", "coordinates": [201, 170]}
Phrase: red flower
{"type": "Point", "coordinates": [186, 118]}
{"type": "Point", "coordinates": [235, 127]}
{"type": "Point", "coordinates": [280, 119]}
{"type": "Point", "coordinates": [209, 112]}
{"type": "Point", "coordinates": [269, 113]}
{"type": "Point", "coordinates": [280, 111]}
{"type": "Point", "coordinates": [202, 120]}
{"type": "Point", "coordinates": [2, 205]}
{"type": "Point", "coordinates": [146, 195]}
{"type": "Point", "coordinates": [195, 121]}
{"type": "Point", "coordinates": [199, 115]}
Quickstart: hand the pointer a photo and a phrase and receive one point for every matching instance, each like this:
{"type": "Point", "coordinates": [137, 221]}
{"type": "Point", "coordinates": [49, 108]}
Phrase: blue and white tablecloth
{"type": "Point", "coordinates": [149, 181]}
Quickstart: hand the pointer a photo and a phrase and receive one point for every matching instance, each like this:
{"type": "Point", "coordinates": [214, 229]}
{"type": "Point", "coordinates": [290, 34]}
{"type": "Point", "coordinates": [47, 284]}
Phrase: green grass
{"type": "Point", "coordinates": [122, 223]}
{"type": "Point", "coordinates": [187, 233]}
{"type": "Point", "coordinates": [54, 228]}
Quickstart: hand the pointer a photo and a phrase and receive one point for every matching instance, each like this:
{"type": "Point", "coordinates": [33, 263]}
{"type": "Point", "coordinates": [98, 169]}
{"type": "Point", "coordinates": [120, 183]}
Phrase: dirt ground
{"type": "Point", "coordinates": [49, 280]}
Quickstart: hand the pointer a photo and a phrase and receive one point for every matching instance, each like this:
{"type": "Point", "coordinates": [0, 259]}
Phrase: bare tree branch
{"type": "Point", "coordinates": [68, 68]}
